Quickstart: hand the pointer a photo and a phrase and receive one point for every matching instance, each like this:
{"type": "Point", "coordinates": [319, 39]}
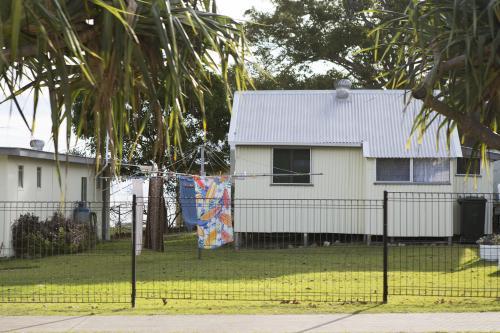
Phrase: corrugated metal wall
{"type": "Point", "coordinates": [343, 177]}
{"type": "Point", "coordinates": [347, 175]}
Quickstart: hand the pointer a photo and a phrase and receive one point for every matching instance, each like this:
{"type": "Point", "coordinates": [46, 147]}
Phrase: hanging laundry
{"type": "Point", "coordinates": [206, 204]}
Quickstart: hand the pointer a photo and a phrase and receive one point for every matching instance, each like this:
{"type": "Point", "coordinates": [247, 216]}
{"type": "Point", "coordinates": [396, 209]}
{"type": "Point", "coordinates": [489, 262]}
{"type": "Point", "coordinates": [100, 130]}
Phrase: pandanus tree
{"type": "Point", "coordinates": [112, 56]}
{"type": "Point", "coordinates": [448, 56]}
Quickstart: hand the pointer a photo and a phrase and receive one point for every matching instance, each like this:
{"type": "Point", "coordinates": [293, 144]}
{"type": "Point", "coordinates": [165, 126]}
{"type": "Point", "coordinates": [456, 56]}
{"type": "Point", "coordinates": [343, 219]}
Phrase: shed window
{"type": "Point", "coordinates": [431, 170]}
{"type": "Point", "coordinates": [20, 176]}
{"type": "Point", "coordinates": [393, 169]}
{"type": "Point", "coordinates": [287, 162]}
{"type": "Point", "coordinates": [39, 177]}
{"type": "Point", "coordinates": [468, 166]}
{"type": "Point", "coordinates": [84, 188]}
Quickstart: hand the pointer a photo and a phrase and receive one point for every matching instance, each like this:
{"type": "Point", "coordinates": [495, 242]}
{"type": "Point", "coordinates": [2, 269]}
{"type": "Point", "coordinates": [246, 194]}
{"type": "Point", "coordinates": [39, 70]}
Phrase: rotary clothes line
{"type": "Point", "coordinates": [206, 204]}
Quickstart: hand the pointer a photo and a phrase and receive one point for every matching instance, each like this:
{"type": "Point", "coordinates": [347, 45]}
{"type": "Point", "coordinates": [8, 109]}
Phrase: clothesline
{"type": "Point", "coordinates": [237, 175]}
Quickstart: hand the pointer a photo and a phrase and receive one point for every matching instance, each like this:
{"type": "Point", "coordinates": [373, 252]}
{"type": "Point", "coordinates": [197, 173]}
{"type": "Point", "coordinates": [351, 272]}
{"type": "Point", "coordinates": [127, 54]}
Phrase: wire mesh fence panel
{"type": "Point", "coordinates": [54, 252]}
{"type": "Point", "coordinates": [288, 250]}
{"type": "Point", "coordinates": [284, 250]}
{"type": "Point", "coordinates": [433, 248]}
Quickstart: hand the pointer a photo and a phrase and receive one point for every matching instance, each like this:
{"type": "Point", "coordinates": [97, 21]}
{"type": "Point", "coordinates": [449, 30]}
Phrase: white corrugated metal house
{"type": "Point", "coordinates": [29, 184]}
{"type": "Point", "coordinates": [353, 148]}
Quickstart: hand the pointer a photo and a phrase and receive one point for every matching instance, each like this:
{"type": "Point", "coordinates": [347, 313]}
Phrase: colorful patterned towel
{"type": "Point", "coordinates": [206, 203]}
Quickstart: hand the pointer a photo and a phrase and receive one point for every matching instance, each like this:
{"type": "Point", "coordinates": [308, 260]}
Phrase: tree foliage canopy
{"type": "Point", "coordinates": [111, 55]}
{"type": "Point", "coordinates": [298, 33]}
{"type": "Point", "coordinates": [449, 57]}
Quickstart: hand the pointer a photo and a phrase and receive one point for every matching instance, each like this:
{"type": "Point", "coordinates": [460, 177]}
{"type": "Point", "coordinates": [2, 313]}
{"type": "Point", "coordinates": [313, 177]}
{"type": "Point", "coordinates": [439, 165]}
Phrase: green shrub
{"type": "Point", "coordinates": [56, 235]}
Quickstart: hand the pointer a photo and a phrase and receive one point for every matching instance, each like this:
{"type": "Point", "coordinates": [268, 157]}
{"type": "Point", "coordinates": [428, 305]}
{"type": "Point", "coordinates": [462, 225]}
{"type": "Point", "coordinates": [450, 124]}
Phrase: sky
{"type": "Point", "coordinates": [13, 131]}
{"type": "Point", "coordinates": [237, 8]}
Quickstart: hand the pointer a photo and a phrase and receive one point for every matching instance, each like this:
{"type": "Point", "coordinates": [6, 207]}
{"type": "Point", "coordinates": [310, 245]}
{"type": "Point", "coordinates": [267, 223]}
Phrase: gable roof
{"type": "Point", "coordinates": [376, 120]}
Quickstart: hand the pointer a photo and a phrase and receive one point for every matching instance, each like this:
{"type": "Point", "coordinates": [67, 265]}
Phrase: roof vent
{"type": "Point", "coordinates": [343, 87]}
{"type": "Point", "coordinates": [37, 144]}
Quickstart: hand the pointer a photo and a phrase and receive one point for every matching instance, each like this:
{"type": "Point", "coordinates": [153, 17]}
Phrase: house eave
{"type": "Point", "coordinates": [298, 144]}
{"type": "Point", "coordinates": [45, 155]}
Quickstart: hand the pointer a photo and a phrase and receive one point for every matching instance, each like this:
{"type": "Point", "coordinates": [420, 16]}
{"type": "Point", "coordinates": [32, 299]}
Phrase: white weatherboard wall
{"type": "Point", "coordinates": [30, 196]}
{"type": "Point", "coordinates": [262, 207]}
{"type": "Point", "coordinates": [347, 176]}
{"type": "Point", "coordinates": [70, 190]}
{"type": "Point", "coordinates": [412, 215]}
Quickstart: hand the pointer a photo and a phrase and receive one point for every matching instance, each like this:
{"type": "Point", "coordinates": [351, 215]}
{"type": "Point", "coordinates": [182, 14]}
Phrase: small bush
{"type": "Point", "coordinates": [489, 240]}
{"type": "Point", "coordinates": [57, 235]}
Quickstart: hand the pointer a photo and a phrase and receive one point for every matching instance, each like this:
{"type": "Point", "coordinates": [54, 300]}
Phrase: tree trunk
{"type": "Point", "coordinates": [155, 223]}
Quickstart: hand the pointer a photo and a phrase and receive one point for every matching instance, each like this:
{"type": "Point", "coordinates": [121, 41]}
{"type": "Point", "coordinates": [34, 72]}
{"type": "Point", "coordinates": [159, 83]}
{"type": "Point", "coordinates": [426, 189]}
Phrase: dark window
{"type": "Point", "coordinates": [393, 169]}
{"type": "Point", "coordinates": [468, 166]}
{"type": "Point", "coordinates": [287, 162]}
{"type": "Point", "coordinates": [84, 188]}
{"type": "Point", "coordinates": [20, 176]}
{"type": "Point", "coordinates": [39, 177]}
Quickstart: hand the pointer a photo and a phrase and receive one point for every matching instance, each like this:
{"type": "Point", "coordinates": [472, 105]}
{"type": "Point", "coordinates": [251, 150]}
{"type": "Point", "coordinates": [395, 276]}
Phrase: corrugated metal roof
{"type": "Point", "coordinates": [44, 155]}
{"type": "Point", "coordinates": [377, 120]}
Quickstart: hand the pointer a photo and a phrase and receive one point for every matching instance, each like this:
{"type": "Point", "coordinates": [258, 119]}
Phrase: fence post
{"type": "Point", "coordinates": [386, 285]}
{"type": "Point", "coordinates": [134, 246]}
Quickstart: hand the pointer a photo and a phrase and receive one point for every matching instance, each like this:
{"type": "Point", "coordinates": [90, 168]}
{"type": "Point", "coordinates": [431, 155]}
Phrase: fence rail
{"type": "Point", "coordinates": [287, 250]}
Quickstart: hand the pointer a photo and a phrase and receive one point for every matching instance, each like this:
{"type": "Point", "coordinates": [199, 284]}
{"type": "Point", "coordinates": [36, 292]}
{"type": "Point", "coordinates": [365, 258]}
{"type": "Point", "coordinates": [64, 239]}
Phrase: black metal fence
{"type": "Point", "coordinates": [287, 250]}
{"type": "Point", "coordinates": [432, 244]}
{"type": "Point", "coordinates": [52, 252]}
{"type": "Point", "coordinates": [283, 250]}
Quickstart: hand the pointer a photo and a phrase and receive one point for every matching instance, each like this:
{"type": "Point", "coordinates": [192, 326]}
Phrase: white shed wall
{"type": "Point", "coordinates": [259, 205]}
{"type": "Point", "coordinates": [411, 215]}
{"type": "Point", "coordinates": [69, 190]}
{"type": "Point", "coordinates": [342, 169]}
{"type": "Point", "coordinates": [50, 191]}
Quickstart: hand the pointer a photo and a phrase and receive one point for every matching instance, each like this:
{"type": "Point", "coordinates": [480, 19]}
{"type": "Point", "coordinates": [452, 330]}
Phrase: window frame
{"type": "Point", "coordinates": [429, 182]}
{"type": "Point", "coordinates": [310, 183]}
{"type": "Point", "coordinates": [83, 189]}
{"type": "Point", "coordinates": [38, 177]}
{"type": "Point", "coordinates": [410, 166]}
{"type": "Point", "coordinates": [470, 174]}
{"type": "Point", "coordinates": [412, 181]}
{"type": "Point", "coordinates": [20, 176]}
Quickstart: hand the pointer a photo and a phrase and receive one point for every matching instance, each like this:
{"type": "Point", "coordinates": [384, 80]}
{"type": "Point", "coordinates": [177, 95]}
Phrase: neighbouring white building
{"type": "Point", "coordinates": [353, 145]}
{"type": "Point", "coordinates": [29, 183]}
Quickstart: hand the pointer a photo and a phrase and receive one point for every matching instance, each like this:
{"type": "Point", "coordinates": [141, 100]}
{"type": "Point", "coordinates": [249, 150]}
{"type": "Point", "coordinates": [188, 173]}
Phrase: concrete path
{"type": "Point", "coordinates": [417, 322]}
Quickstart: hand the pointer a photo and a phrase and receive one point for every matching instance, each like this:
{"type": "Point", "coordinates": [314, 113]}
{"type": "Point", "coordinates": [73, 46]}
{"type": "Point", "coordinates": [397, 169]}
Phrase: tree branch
{"type": "Point", "coordinates": [469, 125]}
{"type": "Point", "coordinates": [440, 68]}
{"type": "Point", "coordinates": [32, 49]}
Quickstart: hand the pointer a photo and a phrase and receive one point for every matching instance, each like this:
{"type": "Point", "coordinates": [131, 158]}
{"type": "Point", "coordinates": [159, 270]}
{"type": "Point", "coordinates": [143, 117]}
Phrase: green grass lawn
{"type": "Point", "coordinates": [340, 278]}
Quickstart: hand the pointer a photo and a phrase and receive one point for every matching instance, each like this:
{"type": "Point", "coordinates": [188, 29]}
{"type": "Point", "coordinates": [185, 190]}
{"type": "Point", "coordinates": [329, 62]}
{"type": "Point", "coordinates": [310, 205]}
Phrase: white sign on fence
{"type": "Point", "coordinates": [137, 184]}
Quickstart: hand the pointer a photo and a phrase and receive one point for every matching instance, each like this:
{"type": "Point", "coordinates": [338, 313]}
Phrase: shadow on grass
{"type": "Point", "coordinates": [358, 264]}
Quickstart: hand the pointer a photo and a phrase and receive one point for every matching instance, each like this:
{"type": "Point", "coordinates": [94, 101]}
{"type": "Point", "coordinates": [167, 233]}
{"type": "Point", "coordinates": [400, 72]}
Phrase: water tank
{"type": "Point", "coordinates": [81, 213]}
